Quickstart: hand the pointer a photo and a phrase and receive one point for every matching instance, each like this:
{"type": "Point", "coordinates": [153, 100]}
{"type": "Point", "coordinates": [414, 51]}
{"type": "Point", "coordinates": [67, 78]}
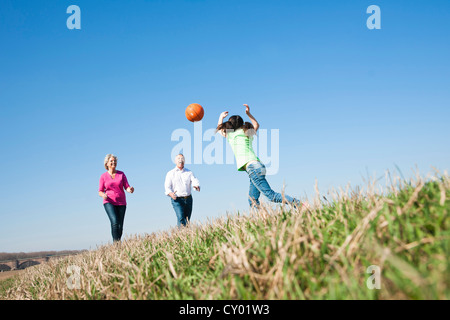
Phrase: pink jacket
{"type": "Point", "coordinates": [114, 188]}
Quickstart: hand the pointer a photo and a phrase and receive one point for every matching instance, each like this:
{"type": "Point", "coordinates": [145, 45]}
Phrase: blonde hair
{"type": "Point", "coordinates": [108, 156]}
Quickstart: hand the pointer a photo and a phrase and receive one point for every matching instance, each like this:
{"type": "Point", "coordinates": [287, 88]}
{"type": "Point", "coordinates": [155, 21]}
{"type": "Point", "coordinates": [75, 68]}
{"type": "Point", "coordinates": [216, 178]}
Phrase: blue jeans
{"type": "Point", "coordinates": [258, 184]}
{"type": "Point", "coordinates": [183, 209]}
{"type": "Point", "coordinates": [116, 215]}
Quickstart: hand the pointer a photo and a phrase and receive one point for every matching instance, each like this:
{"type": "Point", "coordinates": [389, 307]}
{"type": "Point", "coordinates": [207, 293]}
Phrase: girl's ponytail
{"type": "Point", "coordinates": [235, 123]}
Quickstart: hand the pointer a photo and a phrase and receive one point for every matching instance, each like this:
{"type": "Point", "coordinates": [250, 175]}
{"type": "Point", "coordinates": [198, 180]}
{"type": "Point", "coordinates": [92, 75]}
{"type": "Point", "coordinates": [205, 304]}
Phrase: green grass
{"type": "Point", "coordinates": [275, 253]}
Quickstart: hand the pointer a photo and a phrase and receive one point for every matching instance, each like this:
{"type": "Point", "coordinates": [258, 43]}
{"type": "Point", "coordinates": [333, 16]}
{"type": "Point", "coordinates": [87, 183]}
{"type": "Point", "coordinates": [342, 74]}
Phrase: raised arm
{"type": "Point", "coordinates": [252, 118]}
{"type": "Point", "coordinates": [222, 116]}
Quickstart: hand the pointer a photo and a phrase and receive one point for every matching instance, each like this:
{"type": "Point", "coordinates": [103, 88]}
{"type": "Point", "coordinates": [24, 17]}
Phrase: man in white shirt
{"type": "Point", "coordinates": [178, 186]}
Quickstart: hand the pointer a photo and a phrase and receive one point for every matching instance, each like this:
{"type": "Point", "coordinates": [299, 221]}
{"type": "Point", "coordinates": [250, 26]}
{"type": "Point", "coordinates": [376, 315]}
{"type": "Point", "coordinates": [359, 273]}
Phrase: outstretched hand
{"type": "Point", "coordinates": [224, 114]}
{"type": "Point", "coordinates": [247, 109]}
{"type": "Point", "coordinates": [252, 118]}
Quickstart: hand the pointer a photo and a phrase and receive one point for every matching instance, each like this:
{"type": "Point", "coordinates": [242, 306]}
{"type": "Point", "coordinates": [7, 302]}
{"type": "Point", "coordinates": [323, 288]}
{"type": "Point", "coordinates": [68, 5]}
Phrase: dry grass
{"type": "Point", "coordinates": [275, 253]}
{"type": "Point", "coordinates": [8, 274]}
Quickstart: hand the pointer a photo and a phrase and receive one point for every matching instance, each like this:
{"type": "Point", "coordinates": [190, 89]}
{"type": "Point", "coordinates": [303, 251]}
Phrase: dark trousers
{"type": "Point", "coordinates": [116, 215]}
{"type": "Point", "coordinates": [183, 209]}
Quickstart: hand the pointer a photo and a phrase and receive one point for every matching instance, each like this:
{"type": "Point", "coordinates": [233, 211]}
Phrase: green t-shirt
{"type": "Point", "coordinates": [242, 148]}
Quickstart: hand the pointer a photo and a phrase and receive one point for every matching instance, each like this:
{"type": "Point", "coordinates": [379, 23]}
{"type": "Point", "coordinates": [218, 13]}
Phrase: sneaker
{"type": "Point", "coordinates": [303, 206]}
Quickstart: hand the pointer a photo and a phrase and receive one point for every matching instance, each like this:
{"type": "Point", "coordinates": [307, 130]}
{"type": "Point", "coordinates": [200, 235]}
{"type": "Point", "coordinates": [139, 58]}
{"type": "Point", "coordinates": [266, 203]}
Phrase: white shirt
{"type": "Point", "coordinates": [180, 181]}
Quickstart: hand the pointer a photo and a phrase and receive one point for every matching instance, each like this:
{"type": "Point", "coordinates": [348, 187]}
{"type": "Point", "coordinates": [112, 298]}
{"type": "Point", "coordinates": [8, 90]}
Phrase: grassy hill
{"type": "Point", "coordinates": [275, 253]}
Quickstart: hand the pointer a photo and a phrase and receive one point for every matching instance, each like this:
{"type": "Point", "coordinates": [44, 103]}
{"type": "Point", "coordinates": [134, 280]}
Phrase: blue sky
{"type": "Point", "coordinates": [348, 102]}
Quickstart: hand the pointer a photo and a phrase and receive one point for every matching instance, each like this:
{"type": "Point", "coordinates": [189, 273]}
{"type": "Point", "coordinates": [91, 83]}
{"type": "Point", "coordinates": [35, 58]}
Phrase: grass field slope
{"type": "Point", "coordinates": [372, 242]}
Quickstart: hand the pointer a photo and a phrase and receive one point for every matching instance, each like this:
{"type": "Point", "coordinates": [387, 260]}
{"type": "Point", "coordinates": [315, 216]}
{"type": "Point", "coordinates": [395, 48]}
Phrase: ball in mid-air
{"type": "Point", "coordinates": [194, 112]}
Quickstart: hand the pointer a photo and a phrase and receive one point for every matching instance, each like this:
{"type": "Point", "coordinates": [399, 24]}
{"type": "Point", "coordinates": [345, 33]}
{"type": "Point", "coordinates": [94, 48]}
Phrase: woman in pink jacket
{"type": "Point", "coordinates": [112, 185]}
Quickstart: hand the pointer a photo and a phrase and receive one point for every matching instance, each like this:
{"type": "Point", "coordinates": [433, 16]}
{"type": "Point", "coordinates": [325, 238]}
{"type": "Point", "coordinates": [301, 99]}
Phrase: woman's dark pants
{"type": "Point", "coordinates": [116, 215]}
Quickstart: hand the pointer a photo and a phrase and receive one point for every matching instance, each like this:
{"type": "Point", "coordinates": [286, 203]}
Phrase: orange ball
{"type": "Point", "coordinates": [194, 112]}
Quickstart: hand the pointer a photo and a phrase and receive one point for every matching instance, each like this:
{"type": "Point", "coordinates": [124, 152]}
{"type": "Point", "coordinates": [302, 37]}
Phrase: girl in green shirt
{"type": "Point", "coordinates": [240, 136]}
